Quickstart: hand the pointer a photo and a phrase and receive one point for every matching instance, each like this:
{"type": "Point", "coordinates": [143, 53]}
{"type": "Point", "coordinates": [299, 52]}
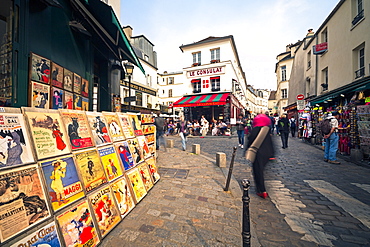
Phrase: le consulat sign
{"type": "Point", "coordinates": [206, 72]}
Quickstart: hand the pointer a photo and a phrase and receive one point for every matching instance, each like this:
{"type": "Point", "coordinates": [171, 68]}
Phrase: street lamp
{"type": "Point", "coordinates": [129, 69]}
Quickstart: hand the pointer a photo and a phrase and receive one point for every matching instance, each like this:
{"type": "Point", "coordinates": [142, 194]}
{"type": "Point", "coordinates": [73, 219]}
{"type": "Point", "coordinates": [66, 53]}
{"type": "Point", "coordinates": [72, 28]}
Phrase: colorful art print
{"type": "Point", "coordinates": [111, 163]}
{"type": "Point", "coordinates": [68, 80]}
{"type": "Point", "coordinates": [57, 98]}
{"type": "Point", "coordinates": [147, 118]}
{"type": "Point", "coordinates": [136, 125]}
{"type": "Point", "coordinates": [105, 210]}
{"type": "Point", "coordinates": [44, 236]}
{"type": "Point", "coordinates": [76, 83]}
{"type": "Point", "coordinates": [148, 129]}
{"type": "Point", "coordinates": [152, 148]}
{"type": "Point", "coordinates": [40, 95]}
{"type": "Point", "coordinates": [114, 127]}
{"type": "Point", "coordinates": [15, 145]}
{"type": "Point", "coordinates": [90, 169]}
{"type": "Point", "coordinates": [77, 102]}
{"type": "Point", "coordinates": [22, 201]}
{"type": "Point", "coordinates": [135, 150]}
{"type": "Point", "coordinates": [150, 138]}
{"type": "Point", "coordinates": [56, 75]}
{"type": "Point", "coordinates": [153, 169]}
{"type": "Point", "coordinates": [125, 156]}
{"type": "Point", "coordinates": [145, 176]}
{"type": "Point", "coordinates": [122, 194]}
{"type": "Point", "coordinates": [99, 129]}
{"type": "Point", "coordinates": [68, 100]}
{"type": "Point", "coordinates": [126, 125]}
{"type": "Point", "coordinates": [137, 184]}
{"type": "Point", "coordinates": [40, 69]}
{"type": "Point", "coordinates": [85, 87]}
{"type": "Point", "coordinates": [77, 227]}
{"type": "Point", "coordinates": [78, 129]}
{"type": "Point", "coordinates": [62, 181]}
{"type": "Point", "coordinates": [84, 104]}
{"type": "Point", "coordinates": [48, 134]}
{"type": "Point", "coordinates": [144, 146]}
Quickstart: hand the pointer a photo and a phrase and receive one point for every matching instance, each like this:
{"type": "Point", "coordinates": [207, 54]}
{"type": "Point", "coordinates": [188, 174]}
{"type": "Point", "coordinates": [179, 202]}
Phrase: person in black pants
{"type": "Point", "coordinates": [284, 128]}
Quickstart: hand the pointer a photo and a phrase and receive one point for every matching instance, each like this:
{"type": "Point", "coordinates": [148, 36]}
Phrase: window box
{"type": "Point", "coordinates": [195, 64]}
{"type": "Point", "coordinates": [215, 61]}
{"type": "Point", "coordinates": [360, 73]}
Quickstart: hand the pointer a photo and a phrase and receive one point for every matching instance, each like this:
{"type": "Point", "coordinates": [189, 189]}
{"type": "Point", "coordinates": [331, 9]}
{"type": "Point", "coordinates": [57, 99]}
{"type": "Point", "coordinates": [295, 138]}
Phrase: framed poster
{"type": "Point", "coordinates": [145, 176]}
{"type": "Point", "coordinates": [152, 148]}
{"type": "Point", "coordinates": [76, 83]}
{"type": "Point", "coordinates": [43, 236]}
{"type": "Point", "coordinates": [153, 169]}
{"type": "Point", "coordinates": [109, 158]}
{"type": "Point", "coordinates": [135, 124]}
{"type": "Point", "coordinates": [15, 144]}
{"type": "Point", "coordinates": [78, 129]}
{"type": "Point", "coordinates": [77, 102]}
{"type": "Point", "coordinates": [84, 104]}
{"type": "Point", "coordinates": [23, 203]}
{"type": "Point", "coordinates": [40, 69]}
{"type": "Point", "coordinates": [90, 168]}
{"type": "Point", "coordinates": [148, 129]}
{"type": "Point", "coordinates": [105, 210]}
{"type": "Point", "coordinates": [40, 95]}
{"type": "Point", "coordinates": [68, 80]}
{"type": "Point", "coordinates": [144, 146]}
{"type": "Point", "coordinates": [126, 125]}
{"type": "Point", "coordinates": [62, 181]}
{"type": "Point", "coordinates": [135, 150]}
{"type": "Point", "coordinates": [146, 118]}
{"type": "Point", "coordinates": [150, 138]}
{"type": "Point", "coordinates": [137, 184]}
{"type": "Point", "coordinates": [114, 126]}
{"type": "Point", "coordinates": [56, 75]}
{"type": "Point", "coordinates": [77, 227]}
{"type": "Point", "coordinates": [124, 154]}
{"type": "Point", "coordinates": [99, 129]}
{"type": "Point", "coordinates": [57, 98]}
{"type": "Point", "coordinates": [85, 87]}
{"type": "Point", "coordinates": [47, 132]}
{"type": "Point", "coordinates": [68, 100]}
{"type": "Point", "coordinates": [122, 194]}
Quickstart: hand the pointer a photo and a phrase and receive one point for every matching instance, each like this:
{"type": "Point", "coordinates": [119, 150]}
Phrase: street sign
{"type": "Point", "coordinates": [300, 105]}
{"type": "Point", "coordinates": [128, 99]}
{"type": "Point", "coordinates": [300, 97]}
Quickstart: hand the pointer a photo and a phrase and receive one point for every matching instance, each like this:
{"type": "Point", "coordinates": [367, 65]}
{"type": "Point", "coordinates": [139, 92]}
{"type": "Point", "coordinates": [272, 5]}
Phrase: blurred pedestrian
{"type": "Point", "coordinates": [284, 130]}
{"type": "Point", "coordinates": [204, 123]}
{"type": "Point", "coordinates": [293, 126]}
{"type": "Point", "coordinates": [159, 123]}
{"type": "Point", "coordinates": [182, 125]}
{"type": "Point", "coordinates": [260, 150]}
{"type": "Point", "coordinates": [332, 139]}
{"type": "Point", "coordinates": [241, 123]}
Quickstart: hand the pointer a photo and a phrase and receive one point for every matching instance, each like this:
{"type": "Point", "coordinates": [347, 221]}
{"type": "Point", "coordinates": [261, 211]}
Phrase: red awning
{"type": "Point", "coordinates": [215, 78]}
{"type": "Point", "coordinates": [195, 80]}
{"type": "Point", "coordinates": [202, 100]}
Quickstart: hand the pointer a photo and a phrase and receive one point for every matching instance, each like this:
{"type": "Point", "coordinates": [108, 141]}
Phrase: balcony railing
{"type": "Point", "coordinates": [360, 73]}
{"type": "Point", "coordinates": [358, 17]}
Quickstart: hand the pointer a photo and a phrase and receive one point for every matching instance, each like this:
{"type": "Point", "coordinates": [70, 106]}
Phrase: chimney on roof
{"type": "Point", "coordinates": [128, 31]}
{"type": "Point", "coordinates": [310, 32]}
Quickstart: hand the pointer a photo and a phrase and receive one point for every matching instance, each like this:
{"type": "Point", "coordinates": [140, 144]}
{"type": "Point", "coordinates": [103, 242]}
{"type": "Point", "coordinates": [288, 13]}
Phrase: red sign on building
{"type": "Point", "coordinates": [320, 48]}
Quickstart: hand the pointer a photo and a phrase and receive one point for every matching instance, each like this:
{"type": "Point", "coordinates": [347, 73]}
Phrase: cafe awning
{"type": "Point", "coordinates": [202, 100]}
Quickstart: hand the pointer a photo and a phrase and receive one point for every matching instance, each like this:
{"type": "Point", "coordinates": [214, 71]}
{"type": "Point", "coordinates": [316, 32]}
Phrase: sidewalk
{"type": "Point", "coordinates": [187, 207]}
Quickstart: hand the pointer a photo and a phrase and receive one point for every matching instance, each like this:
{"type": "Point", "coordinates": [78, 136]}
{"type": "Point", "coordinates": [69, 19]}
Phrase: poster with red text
{"type": "Point", "coordinates": [99, 128]}
{"type": "Point", "coordinates": [145, 176]}
{"type": "Point", "coordinates": [109, 158]}
{"type": "Point", "coordinates": [126, 125]}
{"type": "Point", "coordinates": [114, 126]}
{"type": "Point", "coordinates": [153, 169]}
{"type": "Point", "coordinates": [135, 124]}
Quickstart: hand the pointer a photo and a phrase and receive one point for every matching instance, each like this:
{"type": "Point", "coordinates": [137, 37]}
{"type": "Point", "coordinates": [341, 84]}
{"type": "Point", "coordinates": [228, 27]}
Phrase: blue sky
{"type": "Point", "coordinates": [261, 29]}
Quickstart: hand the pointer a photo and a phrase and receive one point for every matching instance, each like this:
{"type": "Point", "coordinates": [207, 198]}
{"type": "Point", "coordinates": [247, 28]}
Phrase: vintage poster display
{"type": "Point", "coordinates": [153, 169]}
{"type": "Point", "coordinates": [40, 95]}
{"type": "Point", "coordinates": [22, 200]}
{"type": "Point", "coordinates": [68, 100]}
{"type": "Point", "coordinates": [76, 83]}
{"type": "Point", "coordinates": [137, 184]}
{"type": "Point", "coordinates": [148, 129]}
{"type": "Point", "coordinates": [135, 124]}
{"type": "Point", "coordinates": [114, 126]}
{"type": "Point", "coordinates": [77, 227]}
{"type": "Point", "coordinates": [40, 69]}
{"type": "Point", "coordinates": [77, 102]}
{"type": "Point", "coordinates": [105, 210]}
{"type": "Point", "coordinates": [122, 194]}
{"type": "Point", "coordinates": [57, 98]}
{"type": "Point", "coordinates": [62, 181]}
{"type": "Point", "coordinates": [47, 132]}
{"type": "Point", "coordinates": [144, 146]}
{"type": "Point", "coordinates": [46, 236]}
{"type": "Point", "coordinates": [15, 144]}
{"type": "Point", "coordinates": [85, 87]}
{"type": "Point", "coordinates": [135, 150]}
{"type": "Point", "coordinates": [84, 104]}
{"type": "Point", "coordinates": [152, 148]}
{"type": "Point", "coordinates": [124, 153]}
{"type": "Point", "coordinates": [150, 138]}
{"type": "Point", "coordinates": [109, 158]}
{"type": "Point", "coordinates": [126, 125]}
{"type": "Point", "coordinates": [145, 176]}
{"type": "Point", "coordinates": [78, 129]}
{"type": "Point", "coordinates": [90, 168]}
{"type": "Point", "coordinates": [99, 129]}
{"type": "Point", "coordinates": [146, 118]}
{"type": "Point", "coordinates": [56, 75]}
{"type": "Point", "coordinates": [68, 80]}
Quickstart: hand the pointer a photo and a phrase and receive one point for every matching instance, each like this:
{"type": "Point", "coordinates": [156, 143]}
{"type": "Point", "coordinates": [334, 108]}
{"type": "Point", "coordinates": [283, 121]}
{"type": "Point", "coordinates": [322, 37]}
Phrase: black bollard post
{"type": "Point", "coordinates": [230, 170]}
{"type": "Point", "coordinates": [246, 233]}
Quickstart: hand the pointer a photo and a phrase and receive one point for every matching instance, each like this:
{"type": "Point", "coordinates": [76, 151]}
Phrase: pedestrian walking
{"type": "Point", "coordinates": [159, 123]}
{"type": "Point", "coordinates": [332, 139]}
{"type": "Point", "coordinates": [293, 126]}
{"type": "Point", "coordinates": [276, 118]}
{"type": "Point", "coordinates": [241, 123]}
{"type": "Point", "coordinates": [182, 125]}
{"type": "Point", "coordinates": [284, 130]}
{"type": "Point", "coordinates": [272, 123]}
{"type": "Point", "coordinates": [204, 123]}
{"type": "Point", "coordinates": [260, 150]}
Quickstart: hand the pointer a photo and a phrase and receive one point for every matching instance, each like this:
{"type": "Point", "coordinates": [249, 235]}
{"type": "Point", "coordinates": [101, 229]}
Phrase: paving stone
{"type": "Point", "coordinates": [146, 228]}
{"type": "Point", "coordinates": [178, 237]}
{"type": "Point", "coordinates": [354, 239]}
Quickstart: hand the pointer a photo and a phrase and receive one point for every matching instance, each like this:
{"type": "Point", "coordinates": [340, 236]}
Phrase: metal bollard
{"type": "Point", "coordinates": [230, 170]}
{"type": "Point", "coordinates": [246, 233]}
